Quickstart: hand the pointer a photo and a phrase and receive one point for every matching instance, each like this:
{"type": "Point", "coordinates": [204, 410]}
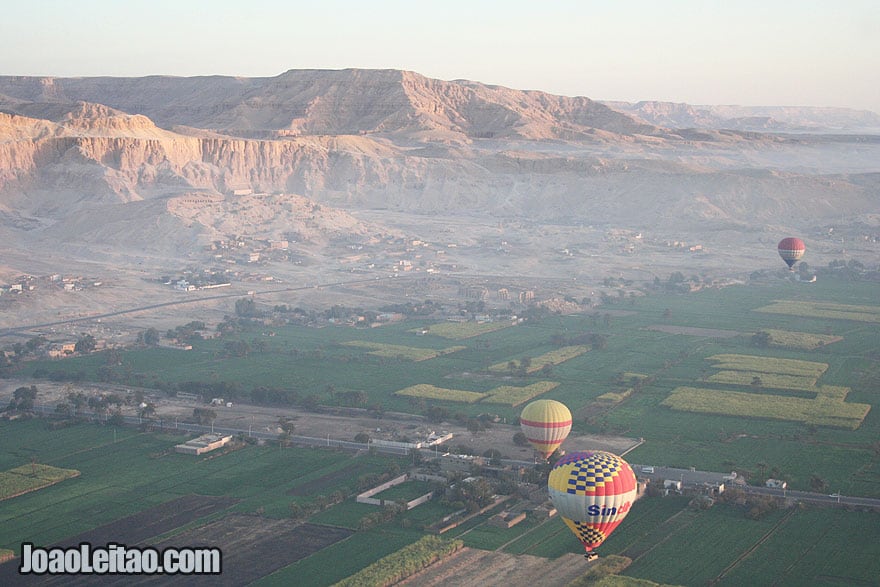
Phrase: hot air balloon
{"type": "Point", "coordinates": [593, 492]}
{"type": "Point", "coordinates": [791, 250]}
{"type": "Point", "coordinates": [546, 423]}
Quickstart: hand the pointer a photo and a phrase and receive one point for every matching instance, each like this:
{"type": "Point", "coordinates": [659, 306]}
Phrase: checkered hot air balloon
{"type": "Point", "coordinates": [593, 492]}
{"type": "Point", "coordinates": [546, 423]}
{"type": "Point", "coordinates": [791, 250]}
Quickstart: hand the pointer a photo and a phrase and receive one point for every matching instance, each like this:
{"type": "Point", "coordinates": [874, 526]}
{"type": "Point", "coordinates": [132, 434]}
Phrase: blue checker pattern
{"type": "Point", "coordinates": [588, 535]}
{"type": "Point", "coordinates": [591, 472]}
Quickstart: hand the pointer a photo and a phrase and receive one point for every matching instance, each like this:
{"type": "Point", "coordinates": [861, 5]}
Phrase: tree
{"type": "Point", "coordinates": [204, 416]}
{"type": "Point", "coordinates": [246, 307]}
{"type": "Point", "coordinates": [520, 439]}
{"type": "Point", "coordinates": [151, 337]}
{"type": "Point", "coordinates": [236, 348]}
{"type": "Point", "coordinates": [23, 398]}
{"type": "Point", "coordinates": [148, 411]}
{"type": "Point", "coordinates": [34, 343]}
{"type": "Point", "coordinates": [756, 381]}
{"type": "Point", "coordinates": [85, 344]}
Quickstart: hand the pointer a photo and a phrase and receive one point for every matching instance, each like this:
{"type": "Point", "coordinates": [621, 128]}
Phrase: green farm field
{"type": "Point", "coordinates": [310, 361]}
{"type": "Point", "coordinates": [658, 535]}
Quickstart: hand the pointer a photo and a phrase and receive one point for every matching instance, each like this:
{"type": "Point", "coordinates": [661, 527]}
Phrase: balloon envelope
{"type": "Point", "coordinates": [593, 493]}
{"type": "Point", "coordinates": [546, 423]}
{"type": "Point", "coordinates": [791, 250]}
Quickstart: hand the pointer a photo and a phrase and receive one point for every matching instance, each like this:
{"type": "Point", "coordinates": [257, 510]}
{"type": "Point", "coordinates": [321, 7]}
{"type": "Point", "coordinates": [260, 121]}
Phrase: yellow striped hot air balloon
{"type": "Point", "coordinates": [546, 423]}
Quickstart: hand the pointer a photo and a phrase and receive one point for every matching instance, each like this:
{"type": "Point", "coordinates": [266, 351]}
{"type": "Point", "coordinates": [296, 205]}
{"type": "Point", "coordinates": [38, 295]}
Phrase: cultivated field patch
{"type": "Point", "coordinates": [615, 396]}
{"type": "Point", "coordinates": [823, 310]}
{"type": "Point", "coordinates": [694, 331]}
{"type": "Point", "coordinates": [763, 379]}
{"type": "Point", "coordinates": [513, 395]}
{"type": "Point", "coordinates": [326, 483]}
{"type": "Point", "coordinates": [824, 410]}
{"type": "Point", "coordinates": [461, 330]}
{"type": "Point", "coordinates": [427, 391]}
{"type": "Point", "coordinates": [759, 364]}
{"type": "Point", "coordinates": [767, 378]}
{"type": "Point", "coordinates": [255, 546]}
{"type": "Point", "coordinates": [554, 357]}
{"type": "Point", "coordinates": [396, 351]}
{"type": "Point", "coordinates": [27, 478]}
{"type": "Point", "coordinates": [155, 521]}
{"type": "Point", "coordinates": [804, 341]}
{"type": "Point", "coordinates": [510, 395]}
{"type": "Point", "coordinates": [404, 563]}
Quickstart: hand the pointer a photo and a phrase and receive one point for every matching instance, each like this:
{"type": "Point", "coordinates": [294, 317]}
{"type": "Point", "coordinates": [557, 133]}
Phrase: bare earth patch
{"type": "Point", "coordinates": [470, 566]}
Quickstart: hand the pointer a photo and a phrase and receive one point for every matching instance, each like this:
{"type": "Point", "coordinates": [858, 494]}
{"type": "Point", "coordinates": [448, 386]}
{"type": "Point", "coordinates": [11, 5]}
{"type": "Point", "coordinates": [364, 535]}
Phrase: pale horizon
{"type": "Point", "coordinates": [807, 54]}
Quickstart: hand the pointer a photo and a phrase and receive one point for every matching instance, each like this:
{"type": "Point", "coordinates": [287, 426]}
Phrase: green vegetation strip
{"type": "Point", "coordinates": [823, 310]}
{"type": "Point", "coordinates": [30, 478]}
{"type": "Point", "coordinates": [395, 351]}
{"type": "Point", "coordinates": [825, 410]}
{"type": "Point", "coordinates": [554, 357]}
{"type": "Point", "coordinates": [404, 563]}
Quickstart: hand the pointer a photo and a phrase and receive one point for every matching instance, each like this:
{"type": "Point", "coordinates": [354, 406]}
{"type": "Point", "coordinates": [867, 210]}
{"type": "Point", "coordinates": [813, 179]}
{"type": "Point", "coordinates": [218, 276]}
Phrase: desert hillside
{"type": "Point", "coordinates": [159, 169]}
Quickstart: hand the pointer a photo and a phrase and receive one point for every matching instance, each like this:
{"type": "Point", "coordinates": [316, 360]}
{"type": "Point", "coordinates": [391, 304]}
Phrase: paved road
{"type": "Point", "coordinates": [188, 300]}
{"type": "Point", "coordinates": [692, 477]}
{"type": "Point", "coordinates": [688, 477]}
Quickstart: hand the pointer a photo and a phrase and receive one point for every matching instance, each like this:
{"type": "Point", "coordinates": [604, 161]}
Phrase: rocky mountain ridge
{"type": "Point", "coordinates": [76, 149]}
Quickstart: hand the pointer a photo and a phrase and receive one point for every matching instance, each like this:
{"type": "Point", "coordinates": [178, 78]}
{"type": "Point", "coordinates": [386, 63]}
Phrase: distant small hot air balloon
{"type": "Point", "coordinates": [546, 424]}
{"type": "Point", "coordinates": [593, 492]}
{"type": "Point", "coordinates": [791, 250]}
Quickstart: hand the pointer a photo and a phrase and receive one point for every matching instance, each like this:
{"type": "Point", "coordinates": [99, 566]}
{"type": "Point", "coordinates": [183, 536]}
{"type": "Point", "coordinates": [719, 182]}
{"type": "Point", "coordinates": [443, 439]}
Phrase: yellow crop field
{"type": "Point", "coordinates": [773, 380]}
{"type": "Point", "coordinates": [760, 364]}
{"type": "Point", "coordinates": [823, 310]}
{"type": "Point", "coordinates": [554, 357]}
{"type": "Point", "coordinates": [395, 351]}
{"type": "Point", "coordinates": [825, 410]}
{"type": "Point", "coordinates": [462, 330]}
{"type": "Point", "coordinates": [30, 478]}
{"type": "Point", "coordinates": [799, 340]}
{"type": "Point", "coordinates": [513, 396]}
{"type": "Point", "coordinates": [427, 391]}
{"type": "Point", "coordinates": [615, 397]}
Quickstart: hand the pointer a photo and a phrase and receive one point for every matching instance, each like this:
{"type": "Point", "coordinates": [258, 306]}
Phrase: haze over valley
{"type": "Point", "coordinates": [318, 176]}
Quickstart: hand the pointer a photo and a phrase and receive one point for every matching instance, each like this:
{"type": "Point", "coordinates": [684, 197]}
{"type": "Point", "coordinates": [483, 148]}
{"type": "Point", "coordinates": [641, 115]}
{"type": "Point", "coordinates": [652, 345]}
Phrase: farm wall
{"type": "Point", "coordinates": [366, 496]}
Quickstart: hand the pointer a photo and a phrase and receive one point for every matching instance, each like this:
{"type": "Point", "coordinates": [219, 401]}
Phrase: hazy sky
{"type": "Point", "coordinates": [747, 52]}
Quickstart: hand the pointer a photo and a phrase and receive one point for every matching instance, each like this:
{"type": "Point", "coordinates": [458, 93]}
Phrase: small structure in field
{"type": "Point", "coordinates": [507, 519]}
{"type": "Point", "coordinates": [204, 443]}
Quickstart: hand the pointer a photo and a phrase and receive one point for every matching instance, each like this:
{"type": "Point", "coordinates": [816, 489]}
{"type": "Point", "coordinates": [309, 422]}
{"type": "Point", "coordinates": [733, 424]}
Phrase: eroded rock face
{"type": "Point", "coordinates": [392, 140]}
